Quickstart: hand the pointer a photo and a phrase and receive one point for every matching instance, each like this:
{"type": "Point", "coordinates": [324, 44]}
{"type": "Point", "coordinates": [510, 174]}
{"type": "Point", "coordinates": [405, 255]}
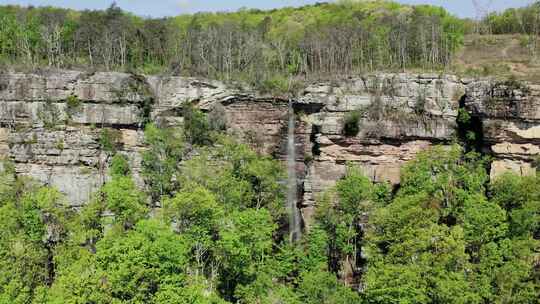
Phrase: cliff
{"type": "Point", "coordinates": [52, 122]}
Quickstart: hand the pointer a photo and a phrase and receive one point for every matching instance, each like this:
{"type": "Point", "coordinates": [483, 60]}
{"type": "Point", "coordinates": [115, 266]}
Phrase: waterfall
{"type": "Point", "coordinates": [292, 189]}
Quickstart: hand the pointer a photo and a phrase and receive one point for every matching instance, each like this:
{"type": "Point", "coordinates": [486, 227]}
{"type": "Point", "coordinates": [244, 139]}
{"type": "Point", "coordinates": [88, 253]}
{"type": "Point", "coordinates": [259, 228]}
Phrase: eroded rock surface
{"type": "Point", "coordinates": [510, 116]}
{"type": "Point", "coordinates": [51, 123]}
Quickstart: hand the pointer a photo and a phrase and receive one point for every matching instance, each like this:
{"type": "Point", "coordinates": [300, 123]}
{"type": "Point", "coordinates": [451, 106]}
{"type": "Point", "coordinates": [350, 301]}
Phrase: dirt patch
{"type": "Point", "coordinates": [497, 55]}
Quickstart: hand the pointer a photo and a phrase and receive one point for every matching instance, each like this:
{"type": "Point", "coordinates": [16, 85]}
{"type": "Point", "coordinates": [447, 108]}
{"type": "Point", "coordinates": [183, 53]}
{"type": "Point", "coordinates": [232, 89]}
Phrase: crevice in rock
{"type": "Point", "coordinates": [51, 267]}
{"type": "Point", "coordinates": [315, 145]}
{"type": "Point", "coordinates": [396, 142]}
{"type": "Point", "coordinates": [471, 134]}
{"type": "Point", "coordinates": [103, 125]}
{"type": "Point", "coordinates": [200, 84]}
{"type": "Point", "coordinates": [307, 108]}
{"type": "Point", "coordinates": [470, 128]}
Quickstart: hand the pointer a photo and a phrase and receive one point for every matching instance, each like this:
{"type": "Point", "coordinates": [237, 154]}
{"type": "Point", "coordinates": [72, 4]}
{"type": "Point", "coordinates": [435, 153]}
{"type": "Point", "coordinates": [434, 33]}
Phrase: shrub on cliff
{"type": "Point", "coordinates": [73, 104]}
{"type": "Point", "coordinates": [109, 140]}
{"type": "Point", "coordinates": [196, 126]}
{"type": "Point", "coordinates": [160, 163]}
{"type": "Point", "coordinates": [120, 166]}
{"type": "Point", "coordinates": [351, 125]}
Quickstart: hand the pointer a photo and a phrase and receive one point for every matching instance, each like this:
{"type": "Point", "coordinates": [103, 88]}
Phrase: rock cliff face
{"type": "Point", "coordinates": [51, 123]}
{"type": "Point", "coordinates": [509, 113]}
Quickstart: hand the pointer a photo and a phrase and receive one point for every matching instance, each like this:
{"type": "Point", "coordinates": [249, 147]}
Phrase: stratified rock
{"type": "Point", "coordinates": [58, 142]}
{"type": "Point", "coordinates": [501, 166]}
{"type": "Point", "coordinates": [510, 116]}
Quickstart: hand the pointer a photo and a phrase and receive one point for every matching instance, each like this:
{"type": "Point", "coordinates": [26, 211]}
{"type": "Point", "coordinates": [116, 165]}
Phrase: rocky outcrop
{"type": "Point", "coordinates": [509, 112]}
{"type": "Point", "coordinates": [398, 115]}
{"type": "Point", "coordinates": [51, 123]}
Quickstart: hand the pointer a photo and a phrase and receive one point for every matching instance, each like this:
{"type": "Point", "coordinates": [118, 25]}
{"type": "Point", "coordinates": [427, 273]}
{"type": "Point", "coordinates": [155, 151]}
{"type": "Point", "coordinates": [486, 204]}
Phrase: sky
{"type": "Point", "coordinates": [160, 8]}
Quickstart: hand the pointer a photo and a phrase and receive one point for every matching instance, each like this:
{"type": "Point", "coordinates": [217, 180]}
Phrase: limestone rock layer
{"type": "Point", "coordinates": [51, 123]}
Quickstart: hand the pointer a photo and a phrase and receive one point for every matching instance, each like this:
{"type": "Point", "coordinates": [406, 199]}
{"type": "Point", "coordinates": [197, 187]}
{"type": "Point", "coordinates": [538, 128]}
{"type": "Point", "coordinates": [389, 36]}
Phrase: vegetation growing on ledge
{"type": "Point", "coordinates": [351, 125]}
{"type": "Point", "coordinates": [49, 115]}
{"type": "Point", "coordinates": [73, 105]}
{"type": "Point", "coordinates": [109, 139]}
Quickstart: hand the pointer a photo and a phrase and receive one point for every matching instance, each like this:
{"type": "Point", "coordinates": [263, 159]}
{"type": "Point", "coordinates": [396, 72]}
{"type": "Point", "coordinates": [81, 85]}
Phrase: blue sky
{"type": "Point", "coordinates": [158, 8]}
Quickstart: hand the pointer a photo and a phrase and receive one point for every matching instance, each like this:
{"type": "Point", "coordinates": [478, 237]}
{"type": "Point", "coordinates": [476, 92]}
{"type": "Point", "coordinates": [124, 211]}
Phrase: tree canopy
{"type": "Point", "coordinates": [314, 40]}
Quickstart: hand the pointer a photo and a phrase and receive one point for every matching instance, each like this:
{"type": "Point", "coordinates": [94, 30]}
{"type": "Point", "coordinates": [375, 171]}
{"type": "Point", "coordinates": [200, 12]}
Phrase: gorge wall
{"type": "Point", "coordinates": [51, 123]}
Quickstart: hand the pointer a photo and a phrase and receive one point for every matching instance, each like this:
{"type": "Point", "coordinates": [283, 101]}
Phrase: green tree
{"type": "Point", "coordinates": [34, 224]}
{"type": "Point", "coordinates": [196, 125]}
{"type": "Point", "coordinates": [446, 242]}
{"type": "Point", "coordinates": [160, 161]}
{"type": "Point", "coordinates": [119, 166]}
{"type": "Point", "coordinates": [197, 216]}
{"type": "Point", "coordinates": [245, 243]}
{"type": "Point", "coordinates": [82, 280]}
{"type": "Point", "coordinates": [323, 287]}
{"type": "Point", "coordinates": [520, 197]}
{"type": "Point", "coordinates": [258, 47]}
{"type": "Point", "coordinates": [340, 215]}
{"type": "Point", "coordinates": [238, 177]}
{"type": "Point", "coordinates": [194, 293]}
{"type": "Point", "coordinates": [128, 267]}
{"type": "Point", "coordinates": [122, 198]}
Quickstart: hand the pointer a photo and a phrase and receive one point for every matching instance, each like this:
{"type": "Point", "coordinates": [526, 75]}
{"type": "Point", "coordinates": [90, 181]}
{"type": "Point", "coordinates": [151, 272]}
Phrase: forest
{"type": "Point", "coordinates": [313, 41]}
{"type": "Point", "coordinates": [211, 227]}
{"type": "Point", "coordinates": [254, 46]}
{"type": "Point", "coordinates": [514, 21]}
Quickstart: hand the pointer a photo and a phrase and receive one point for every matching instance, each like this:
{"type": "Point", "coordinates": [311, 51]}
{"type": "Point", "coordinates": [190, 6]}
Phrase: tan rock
{"type": "Point", "coordinates": [130, 138]}
{"type": "Point", "coordinates": [4, 133]}
{"type": "Point", "coordinates": [388, 173]}
{"type": "Point", "coordinates": [500, 167]}
{"type": "Point", "coordinates": [4, 146]}
{"type": "Point", "coordinates": [515, 150]}
{"type": "Point", "coordinates": [76, 183]}
{"type": "Point", "coordinates": [531, 133]}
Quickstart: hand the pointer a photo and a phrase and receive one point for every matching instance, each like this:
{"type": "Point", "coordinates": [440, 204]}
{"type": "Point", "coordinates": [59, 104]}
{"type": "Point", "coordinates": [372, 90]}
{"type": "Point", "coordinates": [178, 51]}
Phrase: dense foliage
{"type": "Point", "coordinates": [210, 227]}
{"type": "Point", "coordinates": [525, 20]}
{"type": "Point", "coordinates": [448, 239]}
{"type": "Point", "coordinates": [321, 39]}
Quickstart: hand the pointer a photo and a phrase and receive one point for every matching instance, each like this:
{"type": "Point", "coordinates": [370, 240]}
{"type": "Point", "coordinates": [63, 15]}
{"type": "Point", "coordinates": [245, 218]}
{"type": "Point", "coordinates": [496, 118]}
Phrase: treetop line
{"type": "Point", "coordinates": [310, 41]}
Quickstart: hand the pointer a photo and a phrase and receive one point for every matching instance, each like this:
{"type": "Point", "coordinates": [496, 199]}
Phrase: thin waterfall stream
{"type": "Point", "coordinates": [292, 187]}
